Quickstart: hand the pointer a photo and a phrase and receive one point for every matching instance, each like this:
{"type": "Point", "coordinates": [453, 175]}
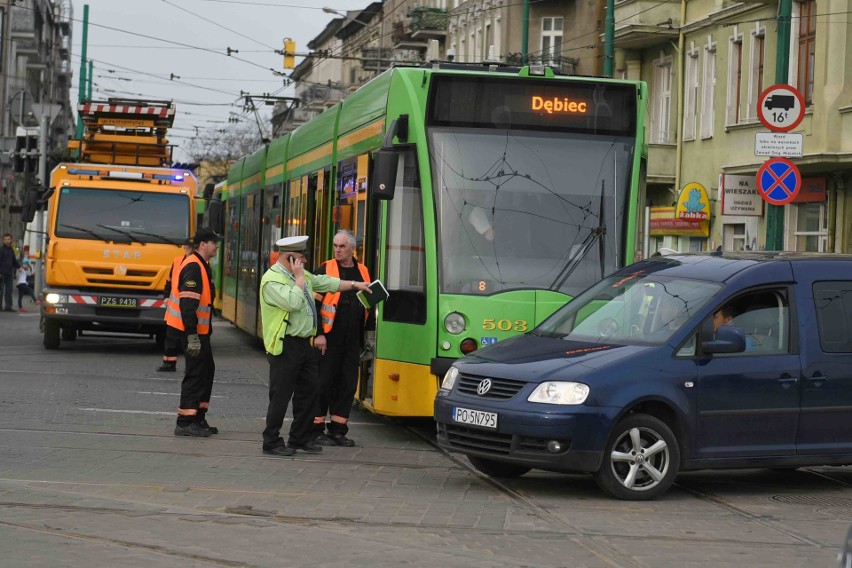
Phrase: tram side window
{"type": "Point", "coordinates": [405, 251]}
{"type": "Point", "coordinates": [231, 257]}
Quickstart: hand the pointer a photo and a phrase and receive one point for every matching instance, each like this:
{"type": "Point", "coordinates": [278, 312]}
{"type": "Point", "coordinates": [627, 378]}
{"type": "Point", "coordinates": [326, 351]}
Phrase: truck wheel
{"type": "Point", "coordinates": [69, 334]}
{"type": "Point", "coordinates": [641, 459]}
{"type": "Point", "coordinates": [51, 335]}
{"type": "Point", "coordinates": [498, 469]}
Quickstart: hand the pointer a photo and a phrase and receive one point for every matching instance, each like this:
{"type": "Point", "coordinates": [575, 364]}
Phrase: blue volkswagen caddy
{"type": "Point", "coordinates": [675, 363]}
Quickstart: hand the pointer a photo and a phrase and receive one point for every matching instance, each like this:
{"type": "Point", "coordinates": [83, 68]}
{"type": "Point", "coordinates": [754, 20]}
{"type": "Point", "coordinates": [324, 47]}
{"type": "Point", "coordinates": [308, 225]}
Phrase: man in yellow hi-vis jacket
{"type": "Point", "coordinates": [289, 324]}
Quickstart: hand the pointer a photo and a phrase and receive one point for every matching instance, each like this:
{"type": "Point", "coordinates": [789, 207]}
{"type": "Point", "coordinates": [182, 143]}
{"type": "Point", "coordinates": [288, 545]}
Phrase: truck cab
{"type": "Point", "coordinates": [116, 221]}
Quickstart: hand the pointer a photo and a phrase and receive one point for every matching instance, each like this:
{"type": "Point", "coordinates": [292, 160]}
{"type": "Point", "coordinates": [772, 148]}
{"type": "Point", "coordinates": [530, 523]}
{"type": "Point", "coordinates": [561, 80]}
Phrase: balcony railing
{"type": "Point", "coordinates": [402, 37]}
{"type": "Point", "coordinates": [428, 22]}
{"type": "Point", "coordinates": [375, 58]}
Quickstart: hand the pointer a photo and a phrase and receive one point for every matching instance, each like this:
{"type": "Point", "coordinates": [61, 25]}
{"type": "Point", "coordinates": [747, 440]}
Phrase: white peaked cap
{"type": "Point", "coordinates": [292, 244]}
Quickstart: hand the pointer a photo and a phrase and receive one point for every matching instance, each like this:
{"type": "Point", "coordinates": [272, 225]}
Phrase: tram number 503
{"type": "Point", "coordinates": [504, 325]}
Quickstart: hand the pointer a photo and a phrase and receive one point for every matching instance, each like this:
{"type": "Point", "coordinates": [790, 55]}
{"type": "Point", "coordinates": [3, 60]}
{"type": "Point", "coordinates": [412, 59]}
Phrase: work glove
{"type": "Point", "coordinates": [193, 345]}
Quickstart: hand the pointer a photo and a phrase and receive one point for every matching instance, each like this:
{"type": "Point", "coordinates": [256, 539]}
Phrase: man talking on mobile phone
{"type": "Point", "coordinates": [290, 321]}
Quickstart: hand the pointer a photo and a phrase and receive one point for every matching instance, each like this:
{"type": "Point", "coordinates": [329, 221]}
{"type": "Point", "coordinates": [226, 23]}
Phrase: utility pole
{"type": "Point", "coordinates": [81, 90]}
{"type": "Point", "coordinates": [525, 34]}
{"type": "Point", "coordinates": [91, 78]}
{"type": "Point", "coordinates": [42, 182]}
{"type": "Point", "coordinates": [609, 40]}
{"type": "Point", "coordinates": [775, 213]}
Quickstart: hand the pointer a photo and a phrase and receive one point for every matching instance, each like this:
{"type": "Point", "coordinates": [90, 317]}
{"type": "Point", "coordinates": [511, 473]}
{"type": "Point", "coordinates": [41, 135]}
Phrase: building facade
{"type": "Point", "coordinates": [706, 63]}
{"type": "Point", "coordinates": [35, 61]}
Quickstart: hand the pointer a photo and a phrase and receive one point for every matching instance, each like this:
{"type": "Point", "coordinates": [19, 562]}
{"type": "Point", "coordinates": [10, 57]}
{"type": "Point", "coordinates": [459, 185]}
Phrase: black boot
{"type": "Point", "coordinates": [167, 367]}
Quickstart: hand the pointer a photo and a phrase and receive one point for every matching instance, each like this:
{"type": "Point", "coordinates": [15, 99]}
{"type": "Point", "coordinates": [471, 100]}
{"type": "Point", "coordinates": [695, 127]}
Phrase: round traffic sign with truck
{"type": "Point", "coordinates": [781, 108]}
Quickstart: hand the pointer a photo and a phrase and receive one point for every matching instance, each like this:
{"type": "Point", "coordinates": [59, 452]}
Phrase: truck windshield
{"type": "Point", "coordinates": [638, 309]}
{"type": "Point", "coordinates": [528, 209]}
{"type": "Point", "coordinates": [122, 216]}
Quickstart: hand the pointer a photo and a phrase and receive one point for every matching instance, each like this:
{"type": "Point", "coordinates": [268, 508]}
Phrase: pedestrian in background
{"type": "Point", "coordinates": [23, 285]}
{"type": "Point", "coordinates": [344, 321]}
{"type": "Point", "coordinates": [289, 318]}
{"type": "Point", "coordinates": [172, 339]}
{"type": "Point", "coordinates": [195, 293]}
{"type": "Point", "coordinates": [8, 266]}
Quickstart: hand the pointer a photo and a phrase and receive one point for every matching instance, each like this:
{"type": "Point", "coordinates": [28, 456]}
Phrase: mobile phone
{"type": "Point", "coordinates": [290, 258]}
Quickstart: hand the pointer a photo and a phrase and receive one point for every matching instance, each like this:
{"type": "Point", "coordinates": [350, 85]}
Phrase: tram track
{"type": "Point", "coordinates": [779, 526]}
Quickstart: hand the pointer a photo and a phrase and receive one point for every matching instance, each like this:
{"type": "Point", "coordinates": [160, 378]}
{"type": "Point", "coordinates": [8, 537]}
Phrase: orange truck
{"type": "Point", "coordinates": [115, 221]}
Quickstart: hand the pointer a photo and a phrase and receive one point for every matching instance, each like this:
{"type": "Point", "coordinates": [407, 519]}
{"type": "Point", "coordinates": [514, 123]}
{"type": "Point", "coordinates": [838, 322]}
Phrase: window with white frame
{"type": "Point", "coordinates": [735, 75]}
{"type": "Point", "coordinates": [734, 236]}
{"type": "Point", "coordinates": [661, 119]}
{"type": "Point", "coordinates": [690, 94]}
{"type": "Point", "coordinates": [551, 40]}
{"type": "Point", "coordinates": [755, 79]}
{"type": "Point", "coordinates": [809, 226]}
{"type": "Point", "coordinates": [708, 101]}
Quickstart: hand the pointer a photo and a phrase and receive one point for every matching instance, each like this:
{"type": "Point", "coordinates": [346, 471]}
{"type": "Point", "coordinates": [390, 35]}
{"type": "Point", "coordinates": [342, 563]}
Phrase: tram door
{"type": "Point", "coordinates": [248, 278]}
{"type": "Point", "coordinates": [270, 231]}
{"type": "Point", "coordinates": [320, 205]}
{"type": "Point", "coordinates": [354, 213]}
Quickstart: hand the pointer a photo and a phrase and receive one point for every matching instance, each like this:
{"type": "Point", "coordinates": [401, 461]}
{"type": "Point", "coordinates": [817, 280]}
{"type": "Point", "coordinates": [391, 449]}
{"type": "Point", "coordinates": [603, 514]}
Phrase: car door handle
{"type": "Point", "coordinates": [787, 380]}
{"type": "Point", "coordinates": [818, 379]}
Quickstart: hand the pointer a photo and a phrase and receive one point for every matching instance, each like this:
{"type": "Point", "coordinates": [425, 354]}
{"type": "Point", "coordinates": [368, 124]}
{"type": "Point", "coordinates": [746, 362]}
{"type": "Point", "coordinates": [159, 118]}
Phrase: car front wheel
{"type": "Point", "coordinates": [641, 461]}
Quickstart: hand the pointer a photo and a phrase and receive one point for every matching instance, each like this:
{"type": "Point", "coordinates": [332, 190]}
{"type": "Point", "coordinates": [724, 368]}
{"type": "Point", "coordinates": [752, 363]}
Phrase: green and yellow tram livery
{"type": "Point", "coordinates": [483, 198]}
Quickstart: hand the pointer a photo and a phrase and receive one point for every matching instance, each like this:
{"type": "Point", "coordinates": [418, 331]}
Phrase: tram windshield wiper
{"type": "Point", "coordinates": [125, 233]}
{"type": "Point", "coordinates": [596, 234]}
{"type": "Point", "coordinates": [95, 234]}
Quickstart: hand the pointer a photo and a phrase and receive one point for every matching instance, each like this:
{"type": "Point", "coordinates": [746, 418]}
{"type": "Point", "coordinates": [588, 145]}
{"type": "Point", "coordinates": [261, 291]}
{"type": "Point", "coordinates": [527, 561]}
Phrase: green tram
{"type": "Point", "coordinates": [483, 197]}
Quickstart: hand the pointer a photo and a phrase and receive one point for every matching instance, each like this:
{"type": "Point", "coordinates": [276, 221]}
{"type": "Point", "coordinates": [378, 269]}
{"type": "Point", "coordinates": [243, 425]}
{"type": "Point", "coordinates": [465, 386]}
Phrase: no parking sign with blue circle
{"type": "Point", "coordinates": [778, 181]}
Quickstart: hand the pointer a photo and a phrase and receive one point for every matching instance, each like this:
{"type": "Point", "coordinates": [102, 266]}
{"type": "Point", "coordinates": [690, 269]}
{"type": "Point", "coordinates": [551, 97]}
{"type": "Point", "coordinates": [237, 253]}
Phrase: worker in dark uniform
{"type": "Point", "coordinates": [289, 318]}
{"type": "Point", "coordinates": [195, 294]}
{"type": "Point", "coordinates": [340, 342]}
{"type": "Point", "coordinates": [172, 341]}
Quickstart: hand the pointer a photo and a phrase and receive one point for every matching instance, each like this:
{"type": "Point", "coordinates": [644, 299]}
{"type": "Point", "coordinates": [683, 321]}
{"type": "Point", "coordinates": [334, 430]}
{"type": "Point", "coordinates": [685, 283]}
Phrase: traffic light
{"type": "Point", "coordinates": [31, 161]}
{"type": "Point", "coordinates": [18, 154]}
{"type": "Point", "coordinates": [289, 54]}
{"type": "Point", "coordinates": [25, 157]}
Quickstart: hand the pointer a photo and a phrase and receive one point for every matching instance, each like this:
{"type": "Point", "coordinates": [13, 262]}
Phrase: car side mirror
{"type": "Point", "coordinates": [728, 339]}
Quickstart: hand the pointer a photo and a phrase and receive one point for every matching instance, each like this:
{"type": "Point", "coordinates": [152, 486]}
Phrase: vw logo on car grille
{"type": "Point", "coordinates": [483, 387]}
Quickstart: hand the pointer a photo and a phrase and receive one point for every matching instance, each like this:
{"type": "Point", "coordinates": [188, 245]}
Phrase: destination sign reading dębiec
{"type": "Point", "coordinates": [557, 105]}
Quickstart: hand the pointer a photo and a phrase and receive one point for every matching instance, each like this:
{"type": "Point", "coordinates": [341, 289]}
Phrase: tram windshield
{"type": "Point", "coordinates": [528, 209]}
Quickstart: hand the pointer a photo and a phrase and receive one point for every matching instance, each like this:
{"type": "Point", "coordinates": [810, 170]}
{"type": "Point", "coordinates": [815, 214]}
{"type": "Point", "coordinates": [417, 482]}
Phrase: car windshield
{"type": "Point", "coordinates": [122, 216]}
{"type": "Point", "coordinates": [524, 209]}
{"type": "Point", "coordinates": [636, 309]}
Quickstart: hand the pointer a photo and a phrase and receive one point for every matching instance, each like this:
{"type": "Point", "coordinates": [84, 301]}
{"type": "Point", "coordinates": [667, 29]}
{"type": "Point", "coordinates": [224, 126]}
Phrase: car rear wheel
{"type": "Point", "coordinates": [641, 461]}
{"type": "Point", "coordinates": [498, 469]}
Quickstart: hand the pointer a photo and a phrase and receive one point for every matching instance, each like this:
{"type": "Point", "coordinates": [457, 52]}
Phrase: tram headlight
{"type": "Point", "coordinates": [558, 392]}
{"type": "Point", "coordinates": [449, 379]}
{"type": "Point", "coordinates": [454, 323]}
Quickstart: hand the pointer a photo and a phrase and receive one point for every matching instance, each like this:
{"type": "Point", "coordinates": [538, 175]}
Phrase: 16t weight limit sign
{"type": "Point", "coordinates": [781, 108]}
